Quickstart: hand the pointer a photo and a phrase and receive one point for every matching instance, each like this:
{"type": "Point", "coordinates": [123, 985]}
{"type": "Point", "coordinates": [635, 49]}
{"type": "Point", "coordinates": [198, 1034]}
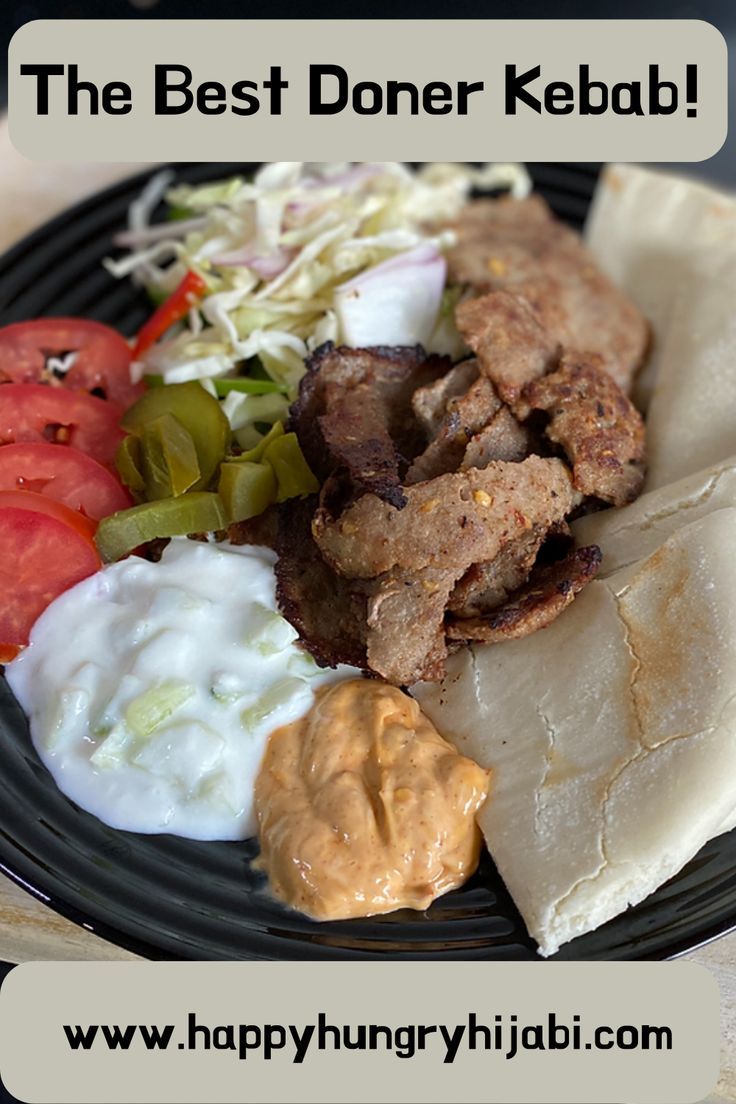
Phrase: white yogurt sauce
{"type": "Point", "coordinates": [152, 688]}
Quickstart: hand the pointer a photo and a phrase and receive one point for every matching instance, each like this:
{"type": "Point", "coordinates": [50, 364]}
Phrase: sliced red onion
{"type": "Point", "coordinates": [347, 180]}
{"type": "Point", "coordinates": [299, 207]}
{"type": "Point", "coordinates": [393, 303]}
{"type": "Point", "coordinates": [267, 267]}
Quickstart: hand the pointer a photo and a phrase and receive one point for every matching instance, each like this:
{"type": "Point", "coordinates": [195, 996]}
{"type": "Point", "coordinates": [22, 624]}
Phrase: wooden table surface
{"type": "Point", "coordinates": [30, 194]}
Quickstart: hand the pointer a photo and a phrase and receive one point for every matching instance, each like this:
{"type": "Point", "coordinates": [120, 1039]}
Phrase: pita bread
{"type": "Point", "coordinates": [626, 536]}
{"type": "Point", "coordinates": [629, 535]}
{"type": "Point", "coordinates": [670, 244]}
{"type": "Point", "coordinates": [611, 734]}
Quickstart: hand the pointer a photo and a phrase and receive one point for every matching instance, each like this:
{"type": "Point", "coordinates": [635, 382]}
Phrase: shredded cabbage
{"type": "Point", "coordinates": [276, 250]}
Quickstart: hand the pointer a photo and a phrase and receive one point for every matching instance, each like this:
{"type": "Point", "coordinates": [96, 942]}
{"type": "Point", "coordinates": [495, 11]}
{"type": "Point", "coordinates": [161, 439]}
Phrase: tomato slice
{"type": "Point", "coordinates": [45, 548]}
{"type": "Point", "coordinates": [64, 474]}
{"type": "Point", "coordinates": [34, 412]}
{"type": "Point", "coordinates": [101, 363]}
{"type": "Point", "coordinates": [40, 504]}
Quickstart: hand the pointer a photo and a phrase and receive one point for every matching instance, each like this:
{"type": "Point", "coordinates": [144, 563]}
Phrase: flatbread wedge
{"type": "Point", "coordinates": [670, 244]}
{"type": "Point", "coordinates": [627, 536]}
{"type": "Point", "coordinates": [611, 734]}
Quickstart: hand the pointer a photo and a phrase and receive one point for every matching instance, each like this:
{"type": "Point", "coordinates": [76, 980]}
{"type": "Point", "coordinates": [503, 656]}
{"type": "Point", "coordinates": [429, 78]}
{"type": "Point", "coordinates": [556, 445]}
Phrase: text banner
{"type": "Point", "coordinates": [355, 1033]}
{"type": "Point", "coordinates": [563, 90]}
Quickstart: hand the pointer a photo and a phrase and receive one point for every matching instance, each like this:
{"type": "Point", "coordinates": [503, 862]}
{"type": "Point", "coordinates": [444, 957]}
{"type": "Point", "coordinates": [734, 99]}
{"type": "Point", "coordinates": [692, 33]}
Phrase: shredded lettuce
{"type": "Point", "coordinates": [245, 410]}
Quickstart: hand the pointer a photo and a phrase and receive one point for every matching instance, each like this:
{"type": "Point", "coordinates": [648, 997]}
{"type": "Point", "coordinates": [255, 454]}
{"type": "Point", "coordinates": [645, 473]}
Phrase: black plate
{"type": "Point", "coordinates": [165, 897]}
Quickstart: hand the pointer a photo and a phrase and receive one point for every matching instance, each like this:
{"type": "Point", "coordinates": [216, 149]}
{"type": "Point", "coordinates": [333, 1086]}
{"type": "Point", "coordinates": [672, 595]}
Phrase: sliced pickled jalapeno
{"type": "Point", "coordinates": [168, 457]}
{"type": "Point", "coordinates": [176, 448]}
{"type": "Point", "coordinates": [198, 512]}
{"type": "Point", "coordinates": [246, 489]}
{"type": "Point", "coordinates": [255, 454]}
{"type": "Point", "coordinates": [197, 411]}
{"type": "Point", "coordinates": [249, 386]}
{"type": "Point", "coordinates": [293, 474]}
{"type": "Point", "coordinates": [129, 462]}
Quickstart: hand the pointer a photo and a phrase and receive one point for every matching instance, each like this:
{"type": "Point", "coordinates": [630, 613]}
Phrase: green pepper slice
{"type": "Point", "coordinates": [169, 458]}
{"type": "Point", "coordinates": [197, 411]}
{"type": "Point", "coordinates": [199, 512]}
{"type": "Point", "coordinates": [292, 471]}
{"type": "Point", "coordinates": [256, 454]}
{"type": "Point", "coordinates": [246, 489]}
{"type": "Point", "coordinates": [129, 462]}
{"type": "Point", "coordinates": [249, 386]}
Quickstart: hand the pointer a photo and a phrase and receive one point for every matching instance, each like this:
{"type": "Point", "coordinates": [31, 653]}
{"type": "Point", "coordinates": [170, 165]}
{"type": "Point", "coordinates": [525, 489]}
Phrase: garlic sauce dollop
{"type": "Point", "coordinates": [152, 688]}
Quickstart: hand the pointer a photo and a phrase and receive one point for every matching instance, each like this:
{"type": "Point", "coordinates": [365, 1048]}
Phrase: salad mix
{"type": "Point", "coordinates": [261, 272]}
{"type": "Point", "coordinates": [108, 445]}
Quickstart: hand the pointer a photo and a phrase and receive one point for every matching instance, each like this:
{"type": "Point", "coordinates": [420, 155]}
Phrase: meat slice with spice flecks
{"type": "Point", "coordinates": [484, 586]}
{"type": "Point", "coordinates": [519, 246]}
{"type": "Point", "coordinates": [511, 344]}
{"type": "Point", "coordinates": [502, 439]}
{"type": "Point", "coordinates": [597, 426]}
{"type": "Point", "coordinates": [535, 605]}
{"type": "Point", "coordinates": [430, 403]}
{"type": "Point", "coordinates": [465, 416]}
{"type": "Point", "coordinates": [416, 555]}
{"type": "Point", "coordinates": [354, 410]}
{"type": "Point", "coordinates": [454, 520]}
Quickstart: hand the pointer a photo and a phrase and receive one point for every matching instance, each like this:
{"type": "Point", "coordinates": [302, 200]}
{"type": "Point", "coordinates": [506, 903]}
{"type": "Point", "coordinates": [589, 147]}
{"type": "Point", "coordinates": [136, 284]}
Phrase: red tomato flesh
{"type": "Point", "coordinates": [101, 364]}
{"type": "Point", "coordinates": [40, 504]}
{"type": "Point", "coordinates": [35, 412]}
{"type": "Point", "coordinates": [45, 548]}
{"type": "Point", "coordinates": [64, 474]}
